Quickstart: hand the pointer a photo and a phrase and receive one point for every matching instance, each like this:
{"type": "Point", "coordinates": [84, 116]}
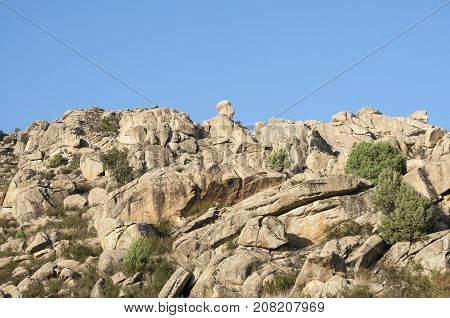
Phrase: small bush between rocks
{"type": "Point", "coordinates": [347, 228]}
{"type": "Point", "coordinates": [116, 161]}
{"type": "Point", "coordinates": [386, 191]}
{"type": "Point", "coordinates": [280, 284]}
{"type": "Point", "coordinates": [57, 161]}
{"type": "Point", "coordinates": [361, 290]}
{"type": "Point", "coordinates": [74, 163]}
{"type": "Point", "coordinates": [411, 218]}
{"type": "Point", "coordinates": [109, 125]}
{"type": "Point", "coordinates": [369, 159]}
{"type": "Point", "coordinates": [407, 282]}
{"type": "Point", "coordinates": [6, 272]}
{"type": "Point", "coordinates": [279, 160]}
{"type": "Point", "coordinates": [160, 274]}
{"type": "Point", "coordinates": [20, 234]}
{"type": "Point", "coordinates": [143, 255]}
{"type": "Point", "coordinates": [80, 252]}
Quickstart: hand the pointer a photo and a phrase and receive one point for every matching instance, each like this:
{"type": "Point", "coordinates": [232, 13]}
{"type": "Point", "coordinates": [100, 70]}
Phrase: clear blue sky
{"type": "Point", "coordinates": [262, 55]}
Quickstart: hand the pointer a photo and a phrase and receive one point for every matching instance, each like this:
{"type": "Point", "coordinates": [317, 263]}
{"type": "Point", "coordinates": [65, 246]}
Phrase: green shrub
{"type": "Point", "coordinates": [386, 191]}
{"type": "Point", "coordinates": [80, 252]}
{"type": "Point", "coordinates": [407, 282]}
{"type": "Point", "coordinates": [347, 228]}
{"type": "Point", "coordinates": [369, 159]}
{"type": "Point", "coordinates": [6, 272]}
{"type": "Point", "coordinates": [116, 161]}
{"type": "Point", "coordinates": [161, 273]}
{"type": "Point", "coordinates": [24, 138]}
{"type": "Point", "coordinates": [411, 218]}
{"type": "Point", "coordinates": [57, 161]}
{"type": "Point", "coordinates": [109, 125]}
{"type": "Point", "coordinates": [279, 160]}
{"type": "Point", "coordinates": [280, 284]}
{"type": "Point", "coordinates": [74, 163]}
{"type": "Point", "coordinates": [20, 234]}
{"type": "Point", "coordinates": [142, 255]}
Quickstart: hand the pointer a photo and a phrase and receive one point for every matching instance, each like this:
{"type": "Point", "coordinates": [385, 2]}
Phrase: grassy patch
{"type": "Point", "coordinates": [280, 284]}
{"type": "Point", "coordinates": [143, 254]}
{"type": "Point", "coordinates": [57, 161]}
{"type": "Point", "coordinates": [80, 252]}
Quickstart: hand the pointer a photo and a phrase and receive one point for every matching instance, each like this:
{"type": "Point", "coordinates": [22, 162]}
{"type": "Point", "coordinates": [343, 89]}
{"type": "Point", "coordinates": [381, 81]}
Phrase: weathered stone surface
{"type": "Point", "coordinates": [319, 266]}
{"type": "Point", "coordinates": [428, 180]}
{"type": "Point", "coordinates": [431, 253]}
{"type": "Point", "coordinates": [75, 201]}
{"type": "Point", "coordinates": [268, 202]}
{"type": "Point", "coordinates": [38, 243]}
{"type": "Point", "coordinates": [91, 166]}
{"type": "Point", "coordinates": [156, 195]}
{"type": "Point", "coordinates": [175, 285]}
{"type": "Point", "coordinates": [96, 196]}
{"type": "Point", "coordinates": [420, 115]}
{"type": "Point", "coordinates": [265, 232]}
{"type": "Point", "coordinates": [48, 270]}
{"type": "Point", "coordinates": [368, 253]}
{"type": "Point", "coordinates": [224, 108]}
{"type": "Point", "coordinates": [110, 261]}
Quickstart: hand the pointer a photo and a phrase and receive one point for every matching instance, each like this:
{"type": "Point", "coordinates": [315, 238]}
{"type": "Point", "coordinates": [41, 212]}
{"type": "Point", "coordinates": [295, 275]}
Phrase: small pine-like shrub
{"type": "Point", "coordinates": [368, 160]}
{"type": "Point", "coordinates": [116, 161]}
{"type": "Point", "coordinates": [411, 218]}
{"type": "Point", "coordinates": [57, 161]}
{"type": "Point", "coordinates": [142, 254]}
{"type": "Point", "coordinates": [279, 160]}
{"type": "Point", "coordinates": [80, 252]}
{"type": "Point", "coordinates": [386, 191]}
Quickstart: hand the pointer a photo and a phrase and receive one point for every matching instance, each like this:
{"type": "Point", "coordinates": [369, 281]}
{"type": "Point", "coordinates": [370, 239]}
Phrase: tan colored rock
{"type": "Point", "coordinates": [96, 196]}
{"type": "Point", "coordinates": [91, 166]}
{"type": "Point", "coordinates": [428, 180]}
{"type": "Point", "coordinates": [420, 115]}
{"type": "Point", "coordinates": [71, 140]}
{"type": "Point", "coordinates": [110, 261]}
{"type": "Point", "coordinates": [342, 117]}
{"type": "Point", "coordinates": [39, 242]}
{"type": "Point", "coordinates": [264, 232]}
{"type": "Point", "coordinates": [47, 271]}
{"type": "Point", "coordinates": [224, 108]}
{"type": "Point", "coordinates": [367, 111]}
{"type": "Point", "coordinates": [156, 195]}
{"type": "Point", "coordinates": [75, 201]}
{"type": "Point", "coordinates": [313, 289]}
{"type": "Point", "coordinates": [368, 253]}
{"type": "Point", "coordinates": [318, 161]}
{"type": "Point", "coordinates": [432, 136]}
{"type": "Point", "coordinates": [176, 284]}
{"type": "Point", "coordinates": [11, 291]}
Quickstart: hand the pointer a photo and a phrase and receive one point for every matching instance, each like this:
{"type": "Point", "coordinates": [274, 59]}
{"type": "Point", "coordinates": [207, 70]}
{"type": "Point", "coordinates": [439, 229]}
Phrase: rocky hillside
{"type": "Point", "coordinates": [147, 203]}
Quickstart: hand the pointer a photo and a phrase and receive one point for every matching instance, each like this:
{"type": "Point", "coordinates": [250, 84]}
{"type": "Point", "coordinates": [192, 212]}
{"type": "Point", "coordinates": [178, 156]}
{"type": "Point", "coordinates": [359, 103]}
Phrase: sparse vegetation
{"type": "Point", "coordinates": [57, 161]}
{"type": "Point", "coordinates": [144, 254]}
{"type": "Point", "coordinates": [279, 160]}
{"type": "Point", "coordinates": [347, 228]}
{"type": "Point", "coordinates": [74, 164]}
{"type": "Point", "coordinates": [80, 252]}
{"type": "Point", "coordinates": [109, 125]}
{"type": "Point", "coordinates": [280, 284]}
{"type": "Point", "coordinates": [160, 273]}
{"type": "Point", "coordinates": [360, 290]}
{"type": "Point", "coordinates": [24, 138]}
{"type": "Point", "coordinates": [369, 159]}
{"type": "Point", "coordinates": [116, 161]}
